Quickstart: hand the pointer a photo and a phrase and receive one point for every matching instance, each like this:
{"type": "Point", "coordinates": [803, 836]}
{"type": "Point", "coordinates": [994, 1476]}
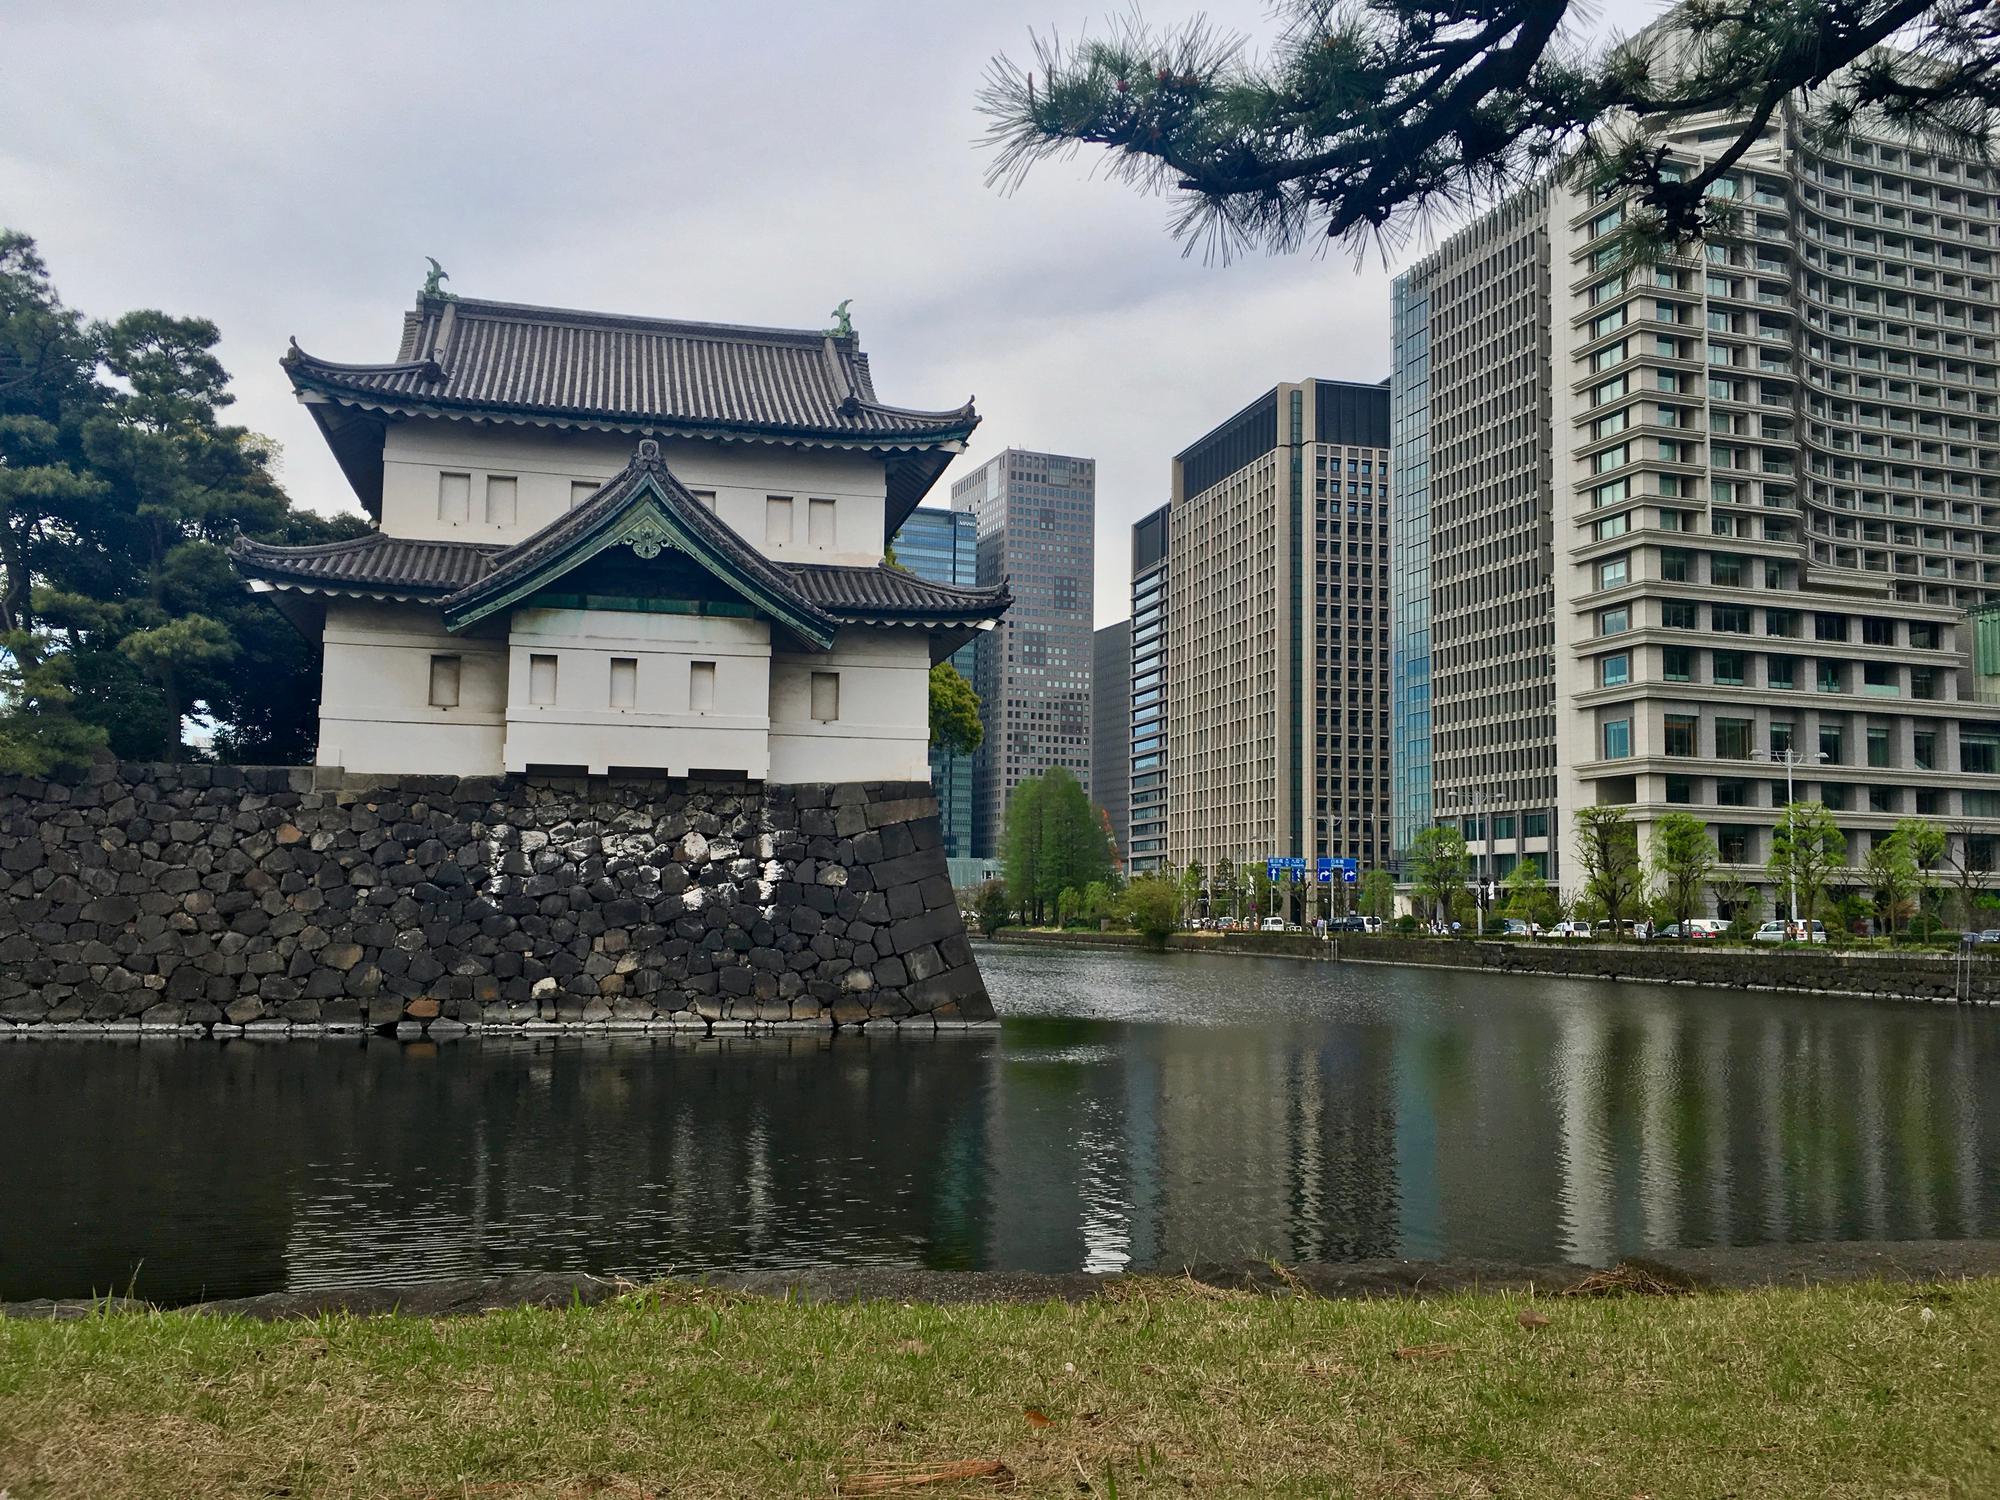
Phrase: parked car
{"type": "Point", "coordinates": [1570, 930]}
{"type": "Point", "coordinates": [1990, 935]}
{"type": "Point", "coordinates": [1348, 924]}
{"type": "Point", "coordinates": [1374, 923]}
{"type": "Point", "coordinates": [1274, 924]}
{"type": "Point", "coordinates": [1639, 929]}
{"type": "Point", "coordinates": [1515, 927]}
{"type": "Point", "coordinates": [1698, 929]}
{"type": "Point", "coordinates": [1784, 932]}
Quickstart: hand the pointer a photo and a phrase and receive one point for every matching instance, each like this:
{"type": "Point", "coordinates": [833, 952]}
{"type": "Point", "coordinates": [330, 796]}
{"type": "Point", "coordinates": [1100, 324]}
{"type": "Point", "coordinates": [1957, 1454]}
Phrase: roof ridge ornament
{"type": "Point", "coordinates": [432, 286]}
{"type": "Point", "coordinates": [649, 452]}
{"type": "Point", "coordinates": [843, 325]}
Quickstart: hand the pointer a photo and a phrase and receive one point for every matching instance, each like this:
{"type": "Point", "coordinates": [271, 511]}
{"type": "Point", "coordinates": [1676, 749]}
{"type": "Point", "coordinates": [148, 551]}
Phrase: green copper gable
{"type": "Point", "coordinates": [641, 510]}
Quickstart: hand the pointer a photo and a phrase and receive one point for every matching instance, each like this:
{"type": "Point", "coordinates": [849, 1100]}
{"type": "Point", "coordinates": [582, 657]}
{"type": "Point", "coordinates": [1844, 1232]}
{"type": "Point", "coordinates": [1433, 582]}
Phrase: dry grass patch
{"type": "Point", "coordinates": [1164, 1389]}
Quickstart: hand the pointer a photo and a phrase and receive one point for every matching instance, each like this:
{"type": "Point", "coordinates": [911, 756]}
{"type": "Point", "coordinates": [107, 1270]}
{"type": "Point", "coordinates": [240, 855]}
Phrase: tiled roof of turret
{"type": "Point", "coordinates": [506, 359]}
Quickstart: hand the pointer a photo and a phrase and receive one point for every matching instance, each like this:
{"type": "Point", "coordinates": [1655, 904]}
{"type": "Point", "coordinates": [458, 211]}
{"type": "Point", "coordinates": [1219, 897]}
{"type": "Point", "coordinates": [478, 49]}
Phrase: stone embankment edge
{"type": "Point", "coordinates": [1927, 978]}
{"type": "Point", "coordinates": [1721, 1269]}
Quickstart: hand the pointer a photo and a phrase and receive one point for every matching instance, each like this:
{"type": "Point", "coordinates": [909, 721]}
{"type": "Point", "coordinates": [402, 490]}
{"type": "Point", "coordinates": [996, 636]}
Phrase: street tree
{"type": "Point", "coordinates": [1969, 857]}
{"type": "Point", "coordinates": [1806, 848]}
{"type": "Point", "coordinates": [1053, 842]}
{"type": "Point", "coordinates": [1378, 895]}
{"type": "Point", "coordinates": [1890, 872]}
{"type": "Point", "coordinates": [1222, 890]}
{"type": "Point", "coordinates": [1152, 906]}
{"type": "Point", "coordinates": [1438, 866]}
{"type": "Point", "coordinates": [1927, 845]}
{"type": "Point", "coordinates": [1607, 846]}
{"type": "Point", "coordinates": [1684, 857]}
{"type": "Point", "coordinates": [1363, 120]}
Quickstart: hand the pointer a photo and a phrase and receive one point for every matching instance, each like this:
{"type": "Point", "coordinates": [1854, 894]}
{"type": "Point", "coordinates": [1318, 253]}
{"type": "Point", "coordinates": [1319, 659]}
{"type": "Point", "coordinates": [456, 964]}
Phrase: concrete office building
{"type": "Point", "coordinates": [1689, 520]}
{"type": "Point", "coordinates": [1277, 640]}
{"type": "Point", "coordinates": [942, 546]}
{"type": "Point", "coordinates": [1036, 514]}
{"type": "Point", "coordinates": [1146, 848]}
{"type": "Point", "coordinates": [1111, 729]}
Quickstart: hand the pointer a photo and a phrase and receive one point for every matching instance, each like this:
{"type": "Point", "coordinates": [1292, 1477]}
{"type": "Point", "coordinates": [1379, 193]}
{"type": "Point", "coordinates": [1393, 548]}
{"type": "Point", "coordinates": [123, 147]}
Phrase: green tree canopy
{"type": "Point", "coordinates": [120, 490]}
{"type": "Point", "coordinates": [1378, 894]}
{"type": "Point", "coordinates": [1365, 118]}
{"type": "Point", "coordinates": [1438, 866]}
{"type": "Point", "coordinates": [1607, 847]}
{"type": "Point", "coordinates": [1153, 907]}
{"type": "Point", "coordinates": [955, 726]}
{"type": "Point", "coordinates": [1684, 856]}
{"type": "Point", "coordinates": [1806, 848]}
{"type": "Point", "coordinates": [1054, 841]}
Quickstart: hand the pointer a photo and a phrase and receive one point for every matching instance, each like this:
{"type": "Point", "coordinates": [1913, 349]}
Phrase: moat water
{"type": "Point", "coordinates": [1132, 1112]}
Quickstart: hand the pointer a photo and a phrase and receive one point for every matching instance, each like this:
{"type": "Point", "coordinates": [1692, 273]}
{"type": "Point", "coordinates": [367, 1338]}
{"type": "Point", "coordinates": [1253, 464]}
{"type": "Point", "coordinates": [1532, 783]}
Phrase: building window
{"type": "Point", "coordinates": [1732, 739]}
{"type": "Point", "coordinates": [826, 696]}
{"type": "Point", "coordinates": [1923, 749]}
{"type": "Point", "coordinates": [1683, 735]}
{"type": "Point", "coordinates": [1978, 753]}
{"type": "Point", "coordinates": [1828, 680]}
{"type": "Point", "coordinates": [701, 687]}
{"type": "Point", "coordinates": [1878, 680]}
{"type": "Point", "coordinates": [1679, 614]}
{"type": "Point", "coordinates": [1614, 526]}
{"type": "Point", "coordinates": [444, 681]}
{"type": "Point", "coordinates": [1923, 636]}
{"type": "Point", "coordinates": [1680, 789]}
{"type": "Point", "coordinates": [500, 499]}
{"type": "Point", "coordinates": [1615, 671]}
{"type": "Point", "coordinates": [1613, 571]}
{"type": "Point", "coordinates": [1535, 825]}
{"type": "Point", "coordinates": [580, 490]}
{"type": "Point", "coordinates": [1781, 737]}
{"type": "Point", "coordinates": [1673, 564]}
{"type": "Point", "coordinates": [1617, 739]}
{"type": "Point", "coordinates": [1725, 571]}
{"type": "Point", "coordinates": [624, 681]}
{"type": "Point", "coordinates": [1677, 663]}
{"type": "Point", "coordinates": [1733, 619]}
{"type": "Point", "coordinates": [819, 523]}
{"type": "Point", "coordinates": [778, 520]}
{"type": "Point", "coordinates": [1878, 746]}
{"type": "Point", "coordinates": [1830, 627]}
{"type": "Point", "coordinates": [1781, 622]}
{"type": "Point", "coordinates": [1829, 744]}
{"type": "Point", "coordinates": [1876, 631]}
{"type": "Point", "coordinates": [455, 498]}
{"type": "Point", "coordinates": [1614, 621]}
{"type": "Point", "coordinates": [1728, 669]}
{"type": "Point", "coordinates": [542, 680]}
{"type": "Point", "coordinates": [1778, 672]}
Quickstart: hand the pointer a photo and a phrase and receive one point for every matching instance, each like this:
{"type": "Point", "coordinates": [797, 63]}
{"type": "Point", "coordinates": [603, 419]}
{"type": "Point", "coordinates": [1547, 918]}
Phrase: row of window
{"type": "Point", "coordinates": [447, 678]}
{"type": "Point", "coordinates": [1978, 751]}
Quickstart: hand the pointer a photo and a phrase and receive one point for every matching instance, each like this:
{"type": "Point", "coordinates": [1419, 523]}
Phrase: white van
{"type": "Point", "coordinates": [1274, 924]}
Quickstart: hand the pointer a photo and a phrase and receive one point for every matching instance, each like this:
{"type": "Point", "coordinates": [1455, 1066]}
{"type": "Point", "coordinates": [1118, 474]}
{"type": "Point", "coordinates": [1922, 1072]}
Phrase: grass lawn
{"type": "Point", "coordinates": [1161, 1388]}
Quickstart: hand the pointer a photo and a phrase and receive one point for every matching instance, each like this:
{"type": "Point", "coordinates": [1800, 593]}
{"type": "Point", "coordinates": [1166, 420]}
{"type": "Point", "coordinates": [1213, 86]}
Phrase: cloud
{"type": "Point", "coordinates": [287, 175]}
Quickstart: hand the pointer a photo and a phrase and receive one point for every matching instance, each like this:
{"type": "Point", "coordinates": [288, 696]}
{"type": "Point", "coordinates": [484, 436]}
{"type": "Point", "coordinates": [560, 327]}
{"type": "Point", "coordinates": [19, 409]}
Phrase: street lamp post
{"type": "Point", "coordinates": [1790, 759]}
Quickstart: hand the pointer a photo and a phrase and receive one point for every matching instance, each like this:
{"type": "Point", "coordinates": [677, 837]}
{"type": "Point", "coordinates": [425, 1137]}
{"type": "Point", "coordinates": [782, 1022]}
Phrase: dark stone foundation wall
{"type": "Point", "coordinates": [257, 900]}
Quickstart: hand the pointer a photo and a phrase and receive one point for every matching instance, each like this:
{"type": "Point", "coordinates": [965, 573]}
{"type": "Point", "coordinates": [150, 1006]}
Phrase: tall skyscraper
{"type": "Point", "coordinates": [1146, 848]}
{"type": "Point", "coordinates": [1036, 515]}
{"type": "Point", "coordinates": [1278, 635]}
{"type": "Point", "coordinates": [1111, 728]}
{"type": "Point", "coordinates": [943, 546]}
{"type": "Point", "coordinates": [1698, 526]}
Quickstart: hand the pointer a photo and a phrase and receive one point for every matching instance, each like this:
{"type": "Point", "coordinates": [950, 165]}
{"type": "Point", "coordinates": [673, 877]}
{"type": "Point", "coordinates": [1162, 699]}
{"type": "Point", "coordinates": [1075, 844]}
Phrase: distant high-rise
{"type": "Point", "coordinates": [943, 547]}
{"type": "Point", "coordinates": [1111, 727]}
{"type": "Point", "coordinates": [1146, 844]}
{"type": "Point", "coordinates": [1036, 516]}
{"type": "Point", "coordinates": [1278, 702]}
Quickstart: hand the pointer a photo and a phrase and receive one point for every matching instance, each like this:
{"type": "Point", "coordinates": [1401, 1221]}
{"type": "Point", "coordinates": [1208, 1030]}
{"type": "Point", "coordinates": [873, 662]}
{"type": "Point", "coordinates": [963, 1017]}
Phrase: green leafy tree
{"type": "Point", "coordinates": [1969, 857]}
{"type": "Point", "coordinates": [1378, 895]}
{"type": "Point", "coordinates": [120, 490]}
{"type": "Point", "coordinates": [1927, 845]}
{"type": "Point", "coordinates": [992, 907]}
{"type": "Point", "coordinates": [1069, 905]}
{"type": "Point", "coordinates": [1889, 871]}
{"type": "Point", "coordinates": [1438, 865]}
{"type": "Point", "coordinates": [1260, 890]}
{"type": "Point", "coordinates": [1684, 857]}
{"type": "Point", "coordinates": [1528, 896]}
{"type": "Point", "coordinates": [1365, 118]}
{"type": "Point", "coordinates": [1607, 847]}
{"type": "Point", "coordinates": [1096, 904]}
{"type": "Point", "coordinates": [1191, 889]}
{"type": "Point", "coordinates": [1223, 891]}
{"type": "Point", "coordinates": [1806, 848]}
{"type": "Point", "coordinates": [955, 725]}
{"type": "Point", "coordinates": [1023, 853]}
{"type": "Point", "coordinates": [1153, 907]}
{"type": "Point", "coordinates": [1053, 842]}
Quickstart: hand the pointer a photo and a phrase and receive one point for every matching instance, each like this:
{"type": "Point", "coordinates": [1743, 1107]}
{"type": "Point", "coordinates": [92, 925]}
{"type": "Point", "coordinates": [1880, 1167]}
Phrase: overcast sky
{"type": "Point", "coordinates": [284, 169]}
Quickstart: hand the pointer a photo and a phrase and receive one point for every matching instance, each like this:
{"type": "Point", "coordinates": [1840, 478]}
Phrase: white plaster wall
{"type": "Point", "coordinates": [883, 732]}
{"type": "Point", "coordinates": [660, 731]}
{"type": "Point", "coordinates": [546, 461]}
{"type": "Point", "coordinates": [375, 713]}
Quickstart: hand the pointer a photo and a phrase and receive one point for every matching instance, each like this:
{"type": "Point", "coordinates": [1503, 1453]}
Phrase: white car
{"type": "Point", "coordinates": [1274, 924]}
{"type": "Point", "coordinates": [1570, 930]}
{"type": "Point", "coordinates": [1782, 932]}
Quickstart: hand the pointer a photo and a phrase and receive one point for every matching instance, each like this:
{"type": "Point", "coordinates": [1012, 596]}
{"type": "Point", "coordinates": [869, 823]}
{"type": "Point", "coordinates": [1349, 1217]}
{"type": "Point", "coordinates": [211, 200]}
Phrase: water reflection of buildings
{"type": "Point", "coordinates": [1386, 1113]}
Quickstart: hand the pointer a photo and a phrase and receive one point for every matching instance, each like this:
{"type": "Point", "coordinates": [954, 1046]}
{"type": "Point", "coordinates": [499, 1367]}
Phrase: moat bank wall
{"type": "Point", "coordinates": [1891, 975]}
{"type": "Point", "coordinates": [278, 900]}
